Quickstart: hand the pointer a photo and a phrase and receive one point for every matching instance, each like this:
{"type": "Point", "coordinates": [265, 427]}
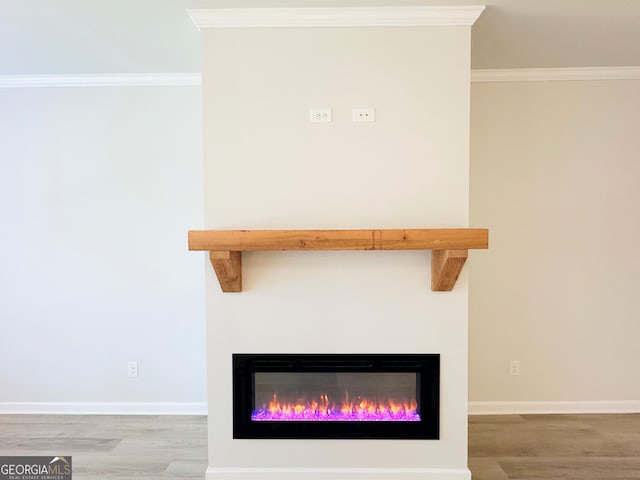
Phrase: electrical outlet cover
{"type": "Point", "coordinates": [132, 369]}
{"type": "Point", "coordinates": [364, 114]}
{"type": "Point", "coordinates": [320, 115]}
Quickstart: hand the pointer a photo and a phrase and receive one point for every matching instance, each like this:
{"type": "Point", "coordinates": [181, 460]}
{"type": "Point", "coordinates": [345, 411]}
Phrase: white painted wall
{"type": "Point", "coordinates": [76, 36]}
{"type": "Point", "coordinates": [266, 166]}
{"type": "Point", "coordinates": [554, 175]}
{"type": "Point", "coordinates": [98, 187]}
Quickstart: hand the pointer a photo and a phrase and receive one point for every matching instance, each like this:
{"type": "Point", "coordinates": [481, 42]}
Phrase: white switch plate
{"type": "Point", "coordinates": [132, 369]}
{"type": "Point", "coordinates": [320, 115]}
{"type": "Point", "coordinates": [364, 114]}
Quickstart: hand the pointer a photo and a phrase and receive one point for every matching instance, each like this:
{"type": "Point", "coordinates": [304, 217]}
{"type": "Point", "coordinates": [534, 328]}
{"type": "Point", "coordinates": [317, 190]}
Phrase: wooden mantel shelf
{"type": "Point", "coordinates": [449, 245]}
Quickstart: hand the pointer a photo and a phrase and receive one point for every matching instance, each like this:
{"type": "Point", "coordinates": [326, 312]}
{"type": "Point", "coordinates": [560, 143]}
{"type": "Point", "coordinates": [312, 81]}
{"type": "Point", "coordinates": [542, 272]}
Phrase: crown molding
{"type": "Point", "coordinates": [102, 80]}
{"type": "Point", "coordinates": [419, 16]}
{"type": "Point", "coordinates": [555, 74]}
{"type": "Point", "coordinates": [193, 79]}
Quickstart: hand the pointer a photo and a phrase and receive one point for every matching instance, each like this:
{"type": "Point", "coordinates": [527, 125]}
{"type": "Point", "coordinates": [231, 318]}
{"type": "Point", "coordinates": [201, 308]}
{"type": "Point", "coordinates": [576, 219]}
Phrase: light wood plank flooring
{"type": "Point", "coordinates": [113, 447]}
{"type": "Point", "coordinates": [555, 447]}
{"type": "Point", "coordinates": [516, 447]}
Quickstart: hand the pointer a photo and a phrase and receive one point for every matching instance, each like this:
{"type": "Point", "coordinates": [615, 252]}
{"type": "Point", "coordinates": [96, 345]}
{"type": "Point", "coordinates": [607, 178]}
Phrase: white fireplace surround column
{"type": "Point", "coordinates": [268, 167]}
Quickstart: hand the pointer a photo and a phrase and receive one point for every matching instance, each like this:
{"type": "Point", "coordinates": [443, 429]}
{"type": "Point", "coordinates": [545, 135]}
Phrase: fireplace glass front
{"type": "Point", "coordinates": [336, 396]}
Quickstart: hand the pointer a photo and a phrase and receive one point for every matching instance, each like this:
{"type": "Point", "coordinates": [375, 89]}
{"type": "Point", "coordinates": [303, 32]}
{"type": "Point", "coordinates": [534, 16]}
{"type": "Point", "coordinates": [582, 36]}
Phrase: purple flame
{"type": "Point", "coordinates": [308, 415]}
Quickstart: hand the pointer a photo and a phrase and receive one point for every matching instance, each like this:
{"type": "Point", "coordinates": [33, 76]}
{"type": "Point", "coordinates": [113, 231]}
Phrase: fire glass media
{"type": "Point", "coordinates": [336, 396]}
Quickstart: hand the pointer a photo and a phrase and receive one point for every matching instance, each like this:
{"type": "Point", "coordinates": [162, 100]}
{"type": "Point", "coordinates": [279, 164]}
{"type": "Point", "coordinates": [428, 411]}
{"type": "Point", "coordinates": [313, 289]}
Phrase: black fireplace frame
{"type": "Point", "coordinates": [427, 366]}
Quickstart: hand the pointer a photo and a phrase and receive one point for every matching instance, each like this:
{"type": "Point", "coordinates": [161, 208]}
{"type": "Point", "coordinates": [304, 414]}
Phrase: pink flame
{"type": "Point", "coordinates": [324, 410]}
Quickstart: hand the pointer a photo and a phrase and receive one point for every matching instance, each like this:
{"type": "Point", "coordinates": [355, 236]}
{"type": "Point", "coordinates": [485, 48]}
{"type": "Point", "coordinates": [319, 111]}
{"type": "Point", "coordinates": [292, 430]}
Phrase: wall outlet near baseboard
{"type": "Point", "coordinates": [132, 369]}
{"type": "Point", "coordinates": [514, 367]}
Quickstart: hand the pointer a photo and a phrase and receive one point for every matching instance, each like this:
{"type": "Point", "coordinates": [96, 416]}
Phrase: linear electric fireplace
{"type": "Point", "coordinates": [336, 396]}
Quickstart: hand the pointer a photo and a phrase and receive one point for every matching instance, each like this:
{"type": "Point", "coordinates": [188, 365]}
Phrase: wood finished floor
{"type": "Point", "coordinates": [555, 447]}
{"type": "Point", "coordinates": [113, 447]}
{"type": "Point", "coordinates": [516, 447]}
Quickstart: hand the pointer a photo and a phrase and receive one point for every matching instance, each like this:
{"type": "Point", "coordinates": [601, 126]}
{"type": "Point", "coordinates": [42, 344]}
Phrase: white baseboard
{"type": "Point", "coordinates": [200, 408]}
{"type": "Point", "coordinates": [520, 408]}
{"type": "Point", "coordinates": [338, 473]}
{"type": "Point", "coordinates": [96, 408]}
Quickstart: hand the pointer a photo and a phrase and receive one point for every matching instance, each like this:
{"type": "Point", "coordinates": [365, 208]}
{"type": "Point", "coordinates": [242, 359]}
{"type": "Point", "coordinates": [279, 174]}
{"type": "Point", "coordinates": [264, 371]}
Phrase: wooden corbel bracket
{"type": "Point", "coordinates": [228, 268]}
